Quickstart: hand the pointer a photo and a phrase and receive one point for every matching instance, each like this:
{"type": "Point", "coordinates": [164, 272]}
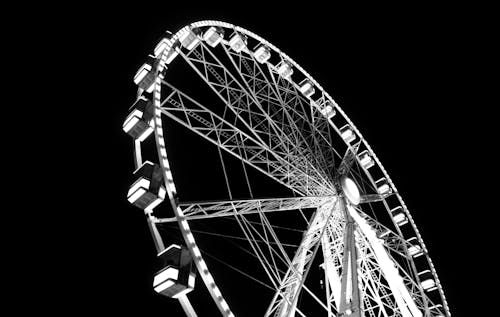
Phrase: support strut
{"type": "Point", "coordinates": [349, 294]}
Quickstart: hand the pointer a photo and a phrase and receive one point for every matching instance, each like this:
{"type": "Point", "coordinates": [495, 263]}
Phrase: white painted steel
{"type": "Point", "coordinates": [305, 169]}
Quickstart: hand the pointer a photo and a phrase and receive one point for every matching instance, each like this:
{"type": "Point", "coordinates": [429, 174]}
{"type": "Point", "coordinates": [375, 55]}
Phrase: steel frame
{"type": "Point", "coordinates": [283, 135]}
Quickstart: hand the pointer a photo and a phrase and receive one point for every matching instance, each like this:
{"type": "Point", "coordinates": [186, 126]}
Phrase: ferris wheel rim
{"type": "Point", "coordinates": [183, 224]}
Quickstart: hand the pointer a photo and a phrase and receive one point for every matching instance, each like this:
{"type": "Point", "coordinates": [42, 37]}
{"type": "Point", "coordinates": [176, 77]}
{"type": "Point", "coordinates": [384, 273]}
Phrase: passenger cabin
{"type": "Point", "coordinates": [148, 191]}
{"type": "Point", "coordinates": [164, 43]}
{"type": "Point", "coordinates": [139, 122]}
{"type": "Point", "coordinates": [142, 72]}
{"type": "Point", "coordinates": [427, 280]}
{"type": "Point", "coordinates": [383, 187]}
{"type": "Point", "coordinates": [189, 39]}
{"type": "Point", "coordinates": [415, 250]}
{"type": "Point", "coordinates": [178, 274]}
{"type": "Point", "coordinates": [347, 133]}
{"type": "Point", "coordinates": [161, 46]}
{"type": "Point", "coordinates": [284, 69]}
{"type": "Point", "coordinates": [213, 36]}
{"type": "Point", "coordinates": [237, 42]}
{"type": "Point", "coordinates": [365, 159]}
{"type": "Point", "coordinates": [145, 76]}
{"type": "Point", "coordinates": [399, 216]}
{"type": "Point", "coordinates": [328, 111]}
{"type": "Point", "coordinates": [306, 88]}
{"type": "Point", "coordinates": [262, 54]}
{"type": "Point", "coordinates": [168, 44]}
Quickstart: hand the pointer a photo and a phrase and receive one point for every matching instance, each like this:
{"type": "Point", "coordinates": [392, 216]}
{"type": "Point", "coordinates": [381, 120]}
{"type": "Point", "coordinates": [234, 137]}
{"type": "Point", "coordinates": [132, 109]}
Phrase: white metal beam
{"type": "Point", "coordinates": [285, 300]}
{"type": "Point", "coordinates": [404, 300]}
{"type": "Point", "coordinates": [213, 209]}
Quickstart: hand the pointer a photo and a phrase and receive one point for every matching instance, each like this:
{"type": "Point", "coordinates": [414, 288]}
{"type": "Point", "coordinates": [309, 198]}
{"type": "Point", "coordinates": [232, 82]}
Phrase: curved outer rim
{"type": "Point", "coordinates": [172, 192]}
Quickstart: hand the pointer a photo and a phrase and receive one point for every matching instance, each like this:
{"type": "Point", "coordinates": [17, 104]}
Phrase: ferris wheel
{"type": "Point", "coordinates": [266, 117]}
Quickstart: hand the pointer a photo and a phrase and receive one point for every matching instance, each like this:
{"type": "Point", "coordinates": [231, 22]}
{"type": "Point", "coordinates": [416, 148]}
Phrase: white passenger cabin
{"type": "Point", "coordinates": [139, 122]}
{"type": "Point", "coordinates": [145, 76]}
{"type": "Point", "coordinates": [148, 190]}
{"type": "Point", "coordinates": [262, 54]}
{"type": "Point", "coordinates": [237, 42]}
{"type": "Point", "coordinates": [414, 249]}
{"type": "Point", "coordinates": [365, 159]}
{"type": "Point", "coordinates": [213, 36]}
{"type": "Point", "coordinates": [177, 277]}
{"type": "Point", "coordinates": [284, 69]}
{"type": "Point", "coordinates": [427, 281]}
{"type": "Point", "coordinates": [328, 110]}
{"type": "Point", "coordinates": [399, 216]}
{"type": "Point", "coordinates": [306, 88]}
{"type": "Point", "coordinates": [189, 39]}
{"type": "Point", "coordinates": [383, 187]}
{"type": "Point", "coordinates": [347, 133]}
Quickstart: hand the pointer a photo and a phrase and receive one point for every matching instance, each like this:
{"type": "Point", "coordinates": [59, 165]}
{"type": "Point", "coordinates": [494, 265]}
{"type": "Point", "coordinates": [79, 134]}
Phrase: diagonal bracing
{"type": "Point", "coordinates": [285, 169]}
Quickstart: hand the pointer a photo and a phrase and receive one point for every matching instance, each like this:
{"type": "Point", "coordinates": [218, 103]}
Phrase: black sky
{"type": "Point", "coordinates": [398, 73]}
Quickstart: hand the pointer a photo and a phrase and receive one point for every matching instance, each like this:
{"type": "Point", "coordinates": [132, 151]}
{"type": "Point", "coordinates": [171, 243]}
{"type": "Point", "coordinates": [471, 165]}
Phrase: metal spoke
{"type": "Point", "coordinates": [199, 119]}
{"type": "Point", "coordinates": [317, 128]}
{"type": "Point", "coordinates": [405, 303]}
{"type": "Point", "coordinates": [245, 105]}
{"type": "Point", "coordinates": [285, 300]}
{"type": "Point", "coordinates": [213, 209]}
{"type": "Point", "coordinates": [279, 112]}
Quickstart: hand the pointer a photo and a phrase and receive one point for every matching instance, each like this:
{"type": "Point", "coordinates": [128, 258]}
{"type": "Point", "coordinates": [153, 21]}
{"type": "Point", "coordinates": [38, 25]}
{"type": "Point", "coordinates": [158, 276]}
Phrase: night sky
{"type": "Point", "coordinates": [396, 72]}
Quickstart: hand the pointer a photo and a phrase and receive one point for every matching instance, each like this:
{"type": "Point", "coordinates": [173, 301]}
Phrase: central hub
{"type": "Point", "coordinates": [350, 190]}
